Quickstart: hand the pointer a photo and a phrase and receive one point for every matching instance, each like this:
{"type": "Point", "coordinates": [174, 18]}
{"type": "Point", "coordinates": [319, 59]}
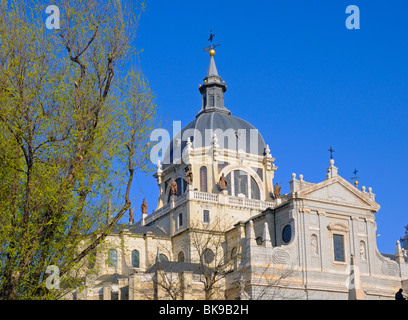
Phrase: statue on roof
{"type": "Point", "coordinates": [277, 191]}
{"type": "Point", "coordinates": [173, 188]}
{"type": "Point", "coordinates": [189, 175]}
{"type": "Point", "coordinates": [223, 183]}
{"type": "Point", "coordinates": [143, 208]}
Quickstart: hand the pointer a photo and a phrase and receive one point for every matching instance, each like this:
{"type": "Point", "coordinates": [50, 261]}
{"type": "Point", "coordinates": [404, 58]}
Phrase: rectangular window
{"type": "Point", "coordinates": [180, 220]}
{"type": "Point", "coordinates": [338, 247]}
{"type": "Point", "coordinates": [206, 216]}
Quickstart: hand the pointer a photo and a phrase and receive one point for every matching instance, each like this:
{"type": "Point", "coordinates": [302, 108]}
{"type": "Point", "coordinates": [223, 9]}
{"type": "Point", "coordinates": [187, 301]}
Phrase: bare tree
{"type": "Point", "coordinates": [271, 282]}
{"type": "Point", "coordinates": [209, 251]}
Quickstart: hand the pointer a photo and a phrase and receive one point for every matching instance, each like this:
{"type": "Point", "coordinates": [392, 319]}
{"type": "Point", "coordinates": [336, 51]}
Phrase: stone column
{"type": "Point", "coordinates": [241, 241]}
{"type": "Point", "coordinates": [148, 239]}
{"type": "Point", "coordinates": [324, 242]}
{"type": "Point", "coordinates": [132, 287]}
{"type": "Point", "coordinates": [107, 292]}
{"type": "Point", "coordinates": [188, 285]}
{"type": "Point", "coordinates": [135, 287]}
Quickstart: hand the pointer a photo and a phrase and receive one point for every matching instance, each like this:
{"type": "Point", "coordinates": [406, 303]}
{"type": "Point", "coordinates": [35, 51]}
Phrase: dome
{"type": "Point", "coordinates": [232, 133]}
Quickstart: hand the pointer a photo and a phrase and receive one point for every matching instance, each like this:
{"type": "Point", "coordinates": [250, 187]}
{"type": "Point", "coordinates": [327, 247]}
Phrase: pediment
{"type": "Point", "coordinates": [340, 191]}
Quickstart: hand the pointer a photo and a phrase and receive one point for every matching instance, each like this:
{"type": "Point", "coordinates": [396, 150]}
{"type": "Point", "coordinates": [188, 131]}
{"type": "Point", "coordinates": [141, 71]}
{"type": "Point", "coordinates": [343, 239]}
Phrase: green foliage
{"type": "Point", "coordinates": [75, 118]}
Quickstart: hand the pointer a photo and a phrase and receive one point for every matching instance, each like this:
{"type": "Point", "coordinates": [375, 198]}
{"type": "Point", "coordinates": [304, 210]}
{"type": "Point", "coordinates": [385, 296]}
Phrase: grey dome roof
{"type": "Point", "coordinates": [232, 133]}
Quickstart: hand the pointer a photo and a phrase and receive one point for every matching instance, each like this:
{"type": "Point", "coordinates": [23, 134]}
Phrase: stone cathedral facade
{"type": "Point", "coordinates": [222, 230]}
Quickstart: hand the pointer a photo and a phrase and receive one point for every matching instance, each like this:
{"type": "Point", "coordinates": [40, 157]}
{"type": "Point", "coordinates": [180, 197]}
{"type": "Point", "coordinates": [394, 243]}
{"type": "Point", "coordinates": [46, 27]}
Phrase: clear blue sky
{"type": "Point", "coordinates": [296, 73]}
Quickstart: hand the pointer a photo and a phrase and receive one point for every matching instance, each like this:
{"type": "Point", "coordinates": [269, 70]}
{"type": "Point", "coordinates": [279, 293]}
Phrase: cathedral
{"type": "Point", "coordinates": [223, 230]}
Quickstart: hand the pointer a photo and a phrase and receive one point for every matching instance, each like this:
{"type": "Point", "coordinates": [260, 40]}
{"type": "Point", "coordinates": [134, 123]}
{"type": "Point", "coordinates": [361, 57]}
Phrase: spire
{"type": "Point", "coordinates": [266, 236]}
{"type": "Point", "coordinates": [213, 89]}
{"type": "Point", "coordinates": [399, 257]}
{"type": "Point", "coordinates": [158, 260]}
{"type": "Point", "coordinates": [212, 69]}
{"type": "Point", "coordinates": [251, 234]}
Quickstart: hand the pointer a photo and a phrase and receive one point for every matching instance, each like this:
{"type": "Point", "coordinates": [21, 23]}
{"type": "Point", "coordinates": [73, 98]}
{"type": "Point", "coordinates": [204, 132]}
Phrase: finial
{"type": "Point", "coordinates": [293, 175]}
{"type": "Point", "coordinates": [332, 170]}
{"type": "Point", "coordinates": [268, 151]}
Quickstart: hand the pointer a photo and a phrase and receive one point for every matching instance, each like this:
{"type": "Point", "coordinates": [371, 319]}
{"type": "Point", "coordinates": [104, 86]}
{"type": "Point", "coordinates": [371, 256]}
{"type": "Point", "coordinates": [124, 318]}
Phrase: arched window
{"type": "Point", "coordinates": [112, 258]}
{"type": "Point", "coordinates": [135, 259]}
{"type": "Point", "coordinates": [180, 257]}
{"type": "Point", "coordinates": [163, 257]}
{"type": "Point", "coordinates": [255, 193]}
{"type": "Point", "coordinates": [211, 101]}
{"type": "Point", "coordinates": [203, 179]}
{"type": "Point", "coordinates": [259, 241]}
{"type": "Point", "coordinates": [242, 183]}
